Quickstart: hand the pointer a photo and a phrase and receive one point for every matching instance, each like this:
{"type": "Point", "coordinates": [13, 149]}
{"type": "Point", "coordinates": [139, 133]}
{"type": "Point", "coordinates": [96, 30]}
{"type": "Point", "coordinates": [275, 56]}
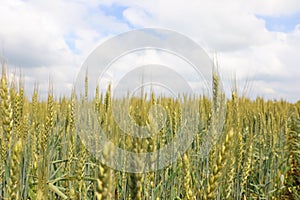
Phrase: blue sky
{"type": "Point", "coordinates": [258, 43]}
{"type": "Point", "coordinates": [113, 10]}
{"type": "Point", "coordinates": [70, 39]}
{"type": "Point", "coordinates": [285, 23]}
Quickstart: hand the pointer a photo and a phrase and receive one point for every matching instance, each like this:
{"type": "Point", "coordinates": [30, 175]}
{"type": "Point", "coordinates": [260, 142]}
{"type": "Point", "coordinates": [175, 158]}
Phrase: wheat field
{"type": "Point", "coordinates": [256, 156]}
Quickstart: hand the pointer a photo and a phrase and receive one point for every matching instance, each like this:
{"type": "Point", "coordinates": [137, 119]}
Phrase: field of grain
{"type": "Point", "coordinates": [257, 155]}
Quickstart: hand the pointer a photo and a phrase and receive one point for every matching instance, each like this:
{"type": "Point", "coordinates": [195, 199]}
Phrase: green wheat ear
{"type": "Point", "coordinates": [6, 113]}
{"type": "Point", "coordinates": [104, 187]}
{"type": "Point", "coordinates": [219, 166]}
{"type": "Point", "coordinates": [13, 187]}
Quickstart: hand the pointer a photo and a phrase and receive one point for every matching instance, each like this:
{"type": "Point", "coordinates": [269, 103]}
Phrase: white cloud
{"type": "Point", "coordinates": [273, 7]}
{"type": "Point", "coordinates": [243, 44]}
{"type": "Point", "coordinates": [33, 35]}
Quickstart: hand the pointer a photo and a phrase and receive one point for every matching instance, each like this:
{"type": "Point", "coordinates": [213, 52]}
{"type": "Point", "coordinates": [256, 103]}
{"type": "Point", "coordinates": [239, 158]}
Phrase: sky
{"type": "Point", "coordinates": [256, 43]}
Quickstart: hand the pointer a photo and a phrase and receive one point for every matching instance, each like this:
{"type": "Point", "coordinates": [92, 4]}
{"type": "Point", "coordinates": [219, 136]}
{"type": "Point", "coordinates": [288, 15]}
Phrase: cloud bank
{"type": "Point", "coordinates": [255, 41]}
